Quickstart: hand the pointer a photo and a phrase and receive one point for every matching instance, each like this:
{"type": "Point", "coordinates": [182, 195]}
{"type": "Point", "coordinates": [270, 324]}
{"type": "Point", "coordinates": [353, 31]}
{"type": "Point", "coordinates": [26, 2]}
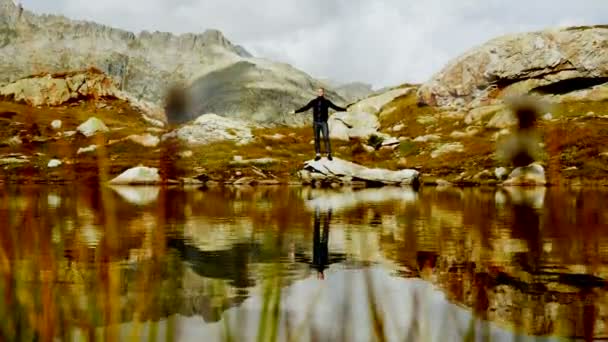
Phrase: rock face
{"type": "Point", "coordinates": [343, 171]}
{"type": "Point", "coordinates": [137, 176]}
{"type": "Point", "coordinates": [144, 65]}
{"type": "Point", "coordinates": [61, 88]}
{"type": "Point", "coordinates": [553, 61]}
{"type": "Point", "coordinates": [57, 89]}
{"type": "Point", "coordinates": [211, 128]}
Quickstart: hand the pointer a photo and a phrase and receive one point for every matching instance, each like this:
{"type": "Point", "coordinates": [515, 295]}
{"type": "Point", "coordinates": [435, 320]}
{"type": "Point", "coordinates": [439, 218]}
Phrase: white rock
{"type": "Point", "coordinates": [88, 149]}
{"type": "Point", "coordinates": [533, 174]}
{"type": "Point", "coordinates": [53, 163]}
{"type": "Point", "coordinates": [138, 175]}
{"type": "Point", "coordinates": [500, 173]}
{"type": "Point", "coordinates": [186, 154]}
{"type": "Point", "coordinates": [56, 124]}
{"type": "Point", "coordinates": [237, 158]}
{"type": "Point", "coordinates": [146, 140]}
{"type": "Point", "coordinates": [91, 127]}
{"type": "Point", "coordinates": [398, 127]}
{"type": "Point", "coordinates": [339, 169]}
{"type": "Point", "coordinates": [447, 148]}
{"type": "Point", "coordinates": [69, 134]}
{"type": "Point", "coordinates": [210, 128]}
{"type": "Point", "coordinates": [548, 117]}
{"type": "Point", "coordinates": [428, 138]}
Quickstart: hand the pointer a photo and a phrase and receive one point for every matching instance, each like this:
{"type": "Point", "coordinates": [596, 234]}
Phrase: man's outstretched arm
{"type": "Point", "coordinates": [337, 108]}
{"type": "Point", "coordinates": [305, 108]}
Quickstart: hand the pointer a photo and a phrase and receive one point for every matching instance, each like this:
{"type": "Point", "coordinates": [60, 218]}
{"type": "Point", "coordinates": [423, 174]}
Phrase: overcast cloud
{"type": "Point", "coordinates": [383, 42]}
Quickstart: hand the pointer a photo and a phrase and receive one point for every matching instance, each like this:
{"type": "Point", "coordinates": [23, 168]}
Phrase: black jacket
{"type": "Point", "coordinates": [320, 107]}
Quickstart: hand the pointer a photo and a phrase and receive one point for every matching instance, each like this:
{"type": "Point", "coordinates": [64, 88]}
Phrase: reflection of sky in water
{"type": "Point", "coordinates": [338, 309]}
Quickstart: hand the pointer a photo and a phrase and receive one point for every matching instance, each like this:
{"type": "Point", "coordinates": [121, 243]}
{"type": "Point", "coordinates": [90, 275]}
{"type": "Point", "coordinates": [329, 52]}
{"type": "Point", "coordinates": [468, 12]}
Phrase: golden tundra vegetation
{"type": "Point", "coordinates": [572, 154]}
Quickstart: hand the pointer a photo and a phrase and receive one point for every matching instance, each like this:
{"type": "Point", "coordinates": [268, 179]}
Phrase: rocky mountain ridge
{"type": "Point", "coordinates": [145, 64]}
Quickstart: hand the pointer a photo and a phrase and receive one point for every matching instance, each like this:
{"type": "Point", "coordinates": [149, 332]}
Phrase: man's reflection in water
{"type": "Point", "coordinates": [320, 249]}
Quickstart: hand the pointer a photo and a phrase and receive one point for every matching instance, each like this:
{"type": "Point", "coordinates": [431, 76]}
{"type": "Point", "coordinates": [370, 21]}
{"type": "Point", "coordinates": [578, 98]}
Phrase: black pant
{"type": "Point", "coordinates": [318, 128]}
{"type": "Point", "coordinates": [320, 248]}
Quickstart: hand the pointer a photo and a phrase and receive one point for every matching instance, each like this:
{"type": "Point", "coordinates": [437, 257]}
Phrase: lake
{"type": "Point", "coordinates": [302, 264]}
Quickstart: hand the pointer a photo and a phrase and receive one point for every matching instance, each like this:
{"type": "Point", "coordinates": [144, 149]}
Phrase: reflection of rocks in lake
{"type": "Point", "coordinates": [350, 199]}
{"type": "Point", "coordinates": [137, 195]}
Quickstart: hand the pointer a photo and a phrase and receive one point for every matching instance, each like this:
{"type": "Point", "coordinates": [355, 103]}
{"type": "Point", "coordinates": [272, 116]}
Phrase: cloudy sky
{"type": "Point", "coordinates": [383, 42]}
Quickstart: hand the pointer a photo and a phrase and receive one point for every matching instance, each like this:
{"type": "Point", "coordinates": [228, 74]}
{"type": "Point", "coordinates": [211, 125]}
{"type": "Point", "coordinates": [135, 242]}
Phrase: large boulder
{"type": "Point", "coordinates": [346, 172]}
{"type": "Point", "coordinates": [57, 89]}
{"type": "Point", "coordinates": [552, 61]}
{"type": "Point", "coordinates": [210, 128]}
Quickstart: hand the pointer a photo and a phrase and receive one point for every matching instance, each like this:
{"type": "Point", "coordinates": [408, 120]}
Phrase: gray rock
{"type": "Point", "coordinates": [341, 170]}
{"type": "Point", "coordinates": [531, 175]}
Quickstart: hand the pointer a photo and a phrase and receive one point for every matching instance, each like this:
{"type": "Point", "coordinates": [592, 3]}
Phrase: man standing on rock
{"type": "Point", "coordinates": [320, 107]}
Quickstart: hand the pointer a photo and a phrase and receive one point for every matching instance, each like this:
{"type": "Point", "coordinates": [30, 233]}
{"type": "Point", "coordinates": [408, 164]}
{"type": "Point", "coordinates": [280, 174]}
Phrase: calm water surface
{"type": "Point", "coordinates": [300, 264]}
